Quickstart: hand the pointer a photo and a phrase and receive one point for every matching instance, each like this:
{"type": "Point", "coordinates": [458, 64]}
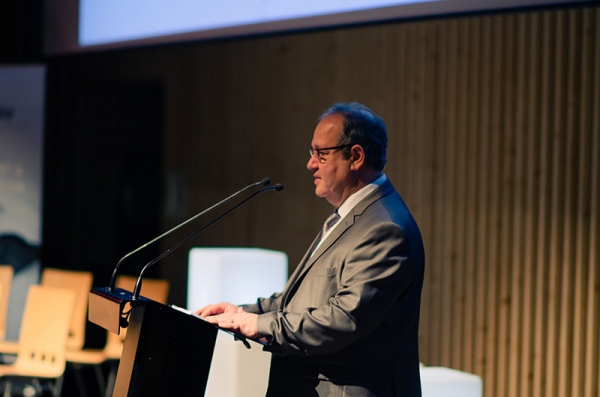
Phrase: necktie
{"type": "Point", "coordinates": [329, 223]}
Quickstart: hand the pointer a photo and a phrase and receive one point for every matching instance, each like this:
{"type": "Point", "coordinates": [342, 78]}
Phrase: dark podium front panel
{"type": "Point", "coordinates": [166, 353]}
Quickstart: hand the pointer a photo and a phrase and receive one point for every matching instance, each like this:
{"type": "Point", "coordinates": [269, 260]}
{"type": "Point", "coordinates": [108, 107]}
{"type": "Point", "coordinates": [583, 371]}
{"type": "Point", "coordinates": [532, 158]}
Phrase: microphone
{"type": "Point", "coordinates": [138, 285]}
{"type": "Point", "coordinates": [113, 279]}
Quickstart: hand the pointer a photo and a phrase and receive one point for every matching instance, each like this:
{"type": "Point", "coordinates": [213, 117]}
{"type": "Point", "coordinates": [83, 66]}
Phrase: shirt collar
{"type": "Point", "coordinates": [349, 204]}
{"type": "Point", "coordinates": [357, 197]}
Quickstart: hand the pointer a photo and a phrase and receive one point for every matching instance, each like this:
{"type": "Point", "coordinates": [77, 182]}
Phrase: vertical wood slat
{"type": "Point", "coordinates": [430, 63]}
{"type": "Point", "coordinates": [448, 192]}
{"type": "Point", "coordinates": [507, 192]}
{"type": "Point", "coordinates": [580, 301]}
{"type": "Point", "coordinates": [459, 171]}
{"type": "Point", "coordinates": [592, 363]}
{"type": "Point", "coordinates": [437, 244]}
{"type": "Point", "coordinates": [494, 202]}
{"type": "Point", "coordinates": [426, 99]}
{"type": "Point", "coordinates": [544, 213]}
{"type": "Point", "coordinates": [569, 126]}
{"type": "Point", "coordinates": [518, 263]}
{"type": "Point", "coordinates": [593, 381]}
{"type": "Point", "coordinates": [471, 200]}
{"type": "Point", "coordinates": [556, 235]}
{"type": "Point", "coordinates": [532, 180]}
{"type": "Point", "coordinates": [483, 362]}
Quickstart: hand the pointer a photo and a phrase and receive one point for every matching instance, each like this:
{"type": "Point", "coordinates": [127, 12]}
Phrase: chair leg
{"type": "Point", "coordinates": [57, 390]}
{"type": "Point", "coordinates": [34, 389]}
{"type": "Point", "coordinates": [100, 379]}
{"type": "Point", "coordinates": [7, 388]}
{"type": "Point", "coordinates": [79, 379]}
{"type": "Point", "coordinates": [112, 378]}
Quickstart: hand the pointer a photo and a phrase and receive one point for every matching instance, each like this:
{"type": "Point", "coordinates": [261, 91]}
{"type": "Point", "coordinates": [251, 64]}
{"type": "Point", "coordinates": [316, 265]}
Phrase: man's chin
{"type": "Point", "coordinates": [320, 192]}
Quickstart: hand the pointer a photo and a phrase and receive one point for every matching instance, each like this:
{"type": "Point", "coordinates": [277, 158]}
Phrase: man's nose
{"type": "Point", "coordinates": [312, 164]}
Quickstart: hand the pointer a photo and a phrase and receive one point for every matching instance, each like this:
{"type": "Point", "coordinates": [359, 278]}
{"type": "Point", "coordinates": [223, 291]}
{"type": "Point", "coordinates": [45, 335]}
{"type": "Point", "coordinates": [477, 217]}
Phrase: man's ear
{"type": "Point", "coordinates": [357, 157]}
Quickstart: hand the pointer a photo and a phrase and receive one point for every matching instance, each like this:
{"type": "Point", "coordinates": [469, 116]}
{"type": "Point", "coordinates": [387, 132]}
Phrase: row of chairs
{"type": "Point", "coordinates": [53, 327]}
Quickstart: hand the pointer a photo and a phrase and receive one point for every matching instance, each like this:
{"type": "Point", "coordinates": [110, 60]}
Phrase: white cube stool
{"type": "Point", "coordinates": [446, 382]}
{"type": "Point", "coordinates": [236, 275]}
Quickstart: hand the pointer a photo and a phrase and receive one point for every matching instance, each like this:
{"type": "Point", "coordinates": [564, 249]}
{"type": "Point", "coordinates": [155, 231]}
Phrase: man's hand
{"type": "Point", "coordinates": [240, 322]}
{"type": "Point", "coordinates": [219, 308]}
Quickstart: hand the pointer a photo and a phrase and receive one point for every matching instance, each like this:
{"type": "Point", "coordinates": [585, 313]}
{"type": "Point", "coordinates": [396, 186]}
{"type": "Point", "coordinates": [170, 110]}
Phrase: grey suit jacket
{"type": "Point", "coordinates": [347, 321]}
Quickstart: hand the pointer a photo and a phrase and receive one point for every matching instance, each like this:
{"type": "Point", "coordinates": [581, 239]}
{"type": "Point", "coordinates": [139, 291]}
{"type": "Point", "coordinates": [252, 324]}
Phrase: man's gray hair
{"type": "Point", "coordinates": [362, 127]}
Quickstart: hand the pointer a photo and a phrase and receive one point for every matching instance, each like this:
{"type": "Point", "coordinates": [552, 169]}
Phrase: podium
{"type": "Point", "coordinates": [167, 352]}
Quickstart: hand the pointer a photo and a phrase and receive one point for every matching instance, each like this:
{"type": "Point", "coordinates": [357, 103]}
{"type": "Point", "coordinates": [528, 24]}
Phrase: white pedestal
{"type": "Point", "coordinates": [446, 382]}
{"type": "Point", "coordinates": [236, 275]}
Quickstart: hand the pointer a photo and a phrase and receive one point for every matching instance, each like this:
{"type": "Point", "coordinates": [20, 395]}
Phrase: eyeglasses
{"type": "Point", "coordinates": [318, 151]}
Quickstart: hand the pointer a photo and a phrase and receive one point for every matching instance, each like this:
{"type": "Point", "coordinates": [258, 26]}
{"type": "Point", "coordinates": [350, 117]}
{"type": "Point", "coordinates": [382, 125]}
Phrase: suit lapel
{"type": "Point", "coordinates": [344, 225]}
{"type": "Point", "coordinates": [299, 268]}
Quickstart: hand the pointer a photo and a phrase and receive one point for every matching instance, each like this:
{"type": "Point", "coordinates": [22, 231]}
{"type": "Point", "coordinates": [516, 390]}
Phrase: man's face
{"type": "Point", "coordinates": [331, 170]}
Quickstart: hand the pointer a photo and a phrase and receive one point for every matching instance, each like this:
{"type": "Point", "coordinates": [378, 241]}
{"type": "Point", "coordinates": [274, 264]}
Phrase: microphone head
{"type": "Point", "coordinates": [278, 187]}
{"type": "Point", "coordinates": [265, 181]}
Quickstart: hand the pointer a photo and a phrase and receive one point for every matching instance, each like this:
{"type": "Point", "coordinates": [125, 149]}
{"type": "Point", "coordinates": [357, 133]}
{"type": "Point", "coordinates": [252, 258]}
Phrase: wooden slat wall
{"type": "Point", "coordinates": [494, 142]}
{"type": "Point", "coordinates": [512, 292]}
{"type": "Point", "coordinates": [513, 287]}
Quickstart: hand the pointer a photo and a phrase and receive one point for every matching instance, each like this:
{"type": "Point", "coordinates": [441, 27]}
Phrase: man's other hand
{"type": "Point", "coordinates": [218, 308]}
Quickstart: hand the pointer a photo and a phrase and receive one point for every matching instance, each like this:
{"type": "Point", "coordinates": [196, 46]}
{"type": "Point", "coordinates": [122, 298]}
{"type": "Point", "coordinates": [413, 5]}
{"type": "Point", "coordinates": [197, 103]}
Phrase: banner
{"type": "Point", "coordinates": [22, 91]}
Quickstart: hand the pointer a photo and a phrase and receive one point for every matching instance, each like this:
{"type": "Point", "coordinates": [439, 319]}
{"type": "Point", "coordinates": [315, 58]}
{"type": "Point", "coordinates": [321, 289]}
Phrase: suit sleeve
{"type": "Point", "coordinates": [374, 275]}
{"type": "Point", "coordinates": [263, 305]}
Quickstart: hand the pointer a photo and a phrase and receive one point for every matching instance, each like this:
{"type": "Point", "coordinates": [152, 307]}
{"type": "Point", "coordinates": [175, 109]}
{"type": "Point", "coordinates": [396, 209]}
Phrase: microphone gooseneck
{"type": "Point", "coordinates": [113, 279]}
{"type": "Point", "coordinates": [138, 285]}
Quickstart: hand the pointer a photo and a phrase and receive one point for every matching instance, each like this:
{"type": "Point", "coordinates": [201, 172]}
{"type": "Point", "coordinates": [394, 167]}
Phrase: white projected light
{"type": "Point", "coordinates": [236, 275]}
{"type": "Point", "coordinates": [96, 25]}
{"type": "Point", "coordinates": [109, 21]}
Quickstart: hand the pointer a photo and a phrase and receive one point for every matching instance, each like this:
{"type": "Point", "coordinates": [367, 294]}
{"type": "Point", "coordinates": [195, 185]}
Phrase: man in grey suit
{"type": "Point", "coordinates": [346, 323]}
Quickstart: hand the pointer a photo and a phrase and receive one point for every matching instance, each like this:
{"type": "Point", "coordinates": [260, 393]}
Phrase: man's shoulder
{"type": "Point", "coordinates": [384, 203]}
{"type": "Point", "coordinates": [388, 207]}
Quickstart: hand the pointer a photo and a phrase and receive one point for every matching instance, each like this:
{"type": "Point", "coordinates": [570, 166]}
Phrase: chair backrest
{"type": "Point", "coordinates": [6, 276]}
{"type": "Point", "coordinates": [80, 282]}
{"type": "Point", "coordinates": [155, 289]}
{"type": "Point", "coordinates": [44, 331]}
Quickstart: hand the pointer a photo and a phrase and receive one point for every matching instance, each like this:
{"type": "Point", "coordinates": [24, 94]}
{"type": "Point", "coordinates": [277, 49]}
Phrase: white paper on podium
{"type": "Point", "coordinates": [236, 275]}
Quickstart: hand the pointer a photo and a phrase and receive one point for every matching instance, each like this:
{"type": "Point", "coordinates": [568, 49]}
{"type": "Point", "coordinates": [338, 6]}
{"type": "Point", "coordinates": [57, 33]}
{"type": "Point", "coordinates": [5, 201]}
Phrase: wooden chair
{"type": "Point", "coordinates": [6, 276]}
{"type": "Point", "coordinates": [79, 282]}
{"type": "Point", "coordinates": [42, 340]}
{"type": "Point", "coordinates": [154, 289]}
{"type": "Point", "coordinates": [1, 296]}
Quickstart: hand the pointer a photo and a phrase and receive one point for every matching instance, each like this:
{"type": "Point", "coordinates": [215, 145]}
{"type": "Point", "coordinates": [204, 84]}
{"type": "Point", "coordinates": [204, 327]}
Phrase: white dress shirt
{"type": "Point", "coordinates": [350, 203]}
